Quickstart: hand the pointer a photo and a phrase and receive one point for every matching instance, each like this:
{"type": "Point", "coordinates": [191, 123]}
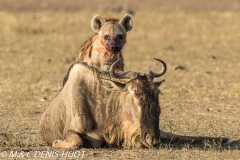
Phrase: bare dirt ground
{"type": "Point", "coordinates": [199, 41]}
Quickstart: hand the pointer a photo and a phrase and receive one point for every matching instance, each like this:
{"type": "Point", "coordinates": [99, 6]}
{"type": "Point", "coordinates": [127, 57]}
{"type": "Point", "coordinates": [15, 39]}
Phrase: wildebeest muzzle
{"type": "Point", "coordinates": [151, 139]}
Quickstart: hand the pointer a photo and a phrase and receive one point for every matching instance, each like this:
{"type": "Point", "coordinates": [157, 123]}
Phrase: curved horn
{"type": "Point", "coordinates": [121, 77]}
{"type": "Point", "coordinates": [162, 72]}
{"type": "Point", "coordinates": [112, 69]}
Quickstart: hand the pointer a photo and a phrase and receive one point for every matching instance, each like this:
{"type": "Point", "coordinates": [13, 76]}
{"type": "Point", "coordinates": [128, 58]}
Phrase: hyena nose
{"type": "Point", "coordinates": [115, 48]}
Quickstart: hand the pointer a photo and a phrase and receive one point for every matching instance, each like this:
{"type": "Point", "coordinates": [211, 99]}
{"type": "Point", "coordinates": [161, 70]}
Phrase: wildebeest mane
{"type": "Point", "coordinates": [65, 79]}
{"type": "Point", "coordinates": [93, 69]}
{"type": "Point", "coordinates": [66, 76]}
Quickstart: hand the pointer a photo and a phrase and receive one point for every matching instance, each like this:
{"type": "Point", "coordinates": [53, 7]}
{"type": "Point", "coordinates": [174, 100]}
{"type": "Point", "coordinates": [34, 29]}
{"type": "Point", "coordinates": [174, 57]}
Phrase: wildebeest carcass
{"type": "Point", "coordinates": [97, 108]}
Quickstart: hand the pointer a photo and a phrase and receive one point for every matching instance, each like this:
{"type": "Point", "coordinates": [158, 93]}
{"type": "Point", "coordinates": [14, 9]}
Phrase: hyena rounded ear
{"type": "Point", "coordinates": [97, 23]}
{"type": "Point", "coordinates": [127, 22]}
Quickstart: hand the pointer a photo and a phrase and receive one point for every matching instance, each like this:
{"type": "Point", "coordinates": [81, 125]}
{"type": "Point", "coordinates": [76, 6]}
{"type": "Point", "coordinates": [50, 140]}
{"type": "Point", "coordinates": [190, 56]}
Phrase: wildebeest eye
{"type": "Point", "coordinates": [120, 36]}
{"type": "Point", "coordinates": [106, 37]}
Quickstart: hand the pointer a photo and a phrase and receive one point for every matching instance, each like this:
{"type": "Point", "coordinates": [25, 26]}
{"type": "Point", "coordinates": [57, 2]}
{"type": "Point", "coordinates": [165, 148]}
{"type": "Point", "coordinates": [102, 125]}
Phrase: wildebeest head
{"type": "Point", "coordinates": [112, 32]}
{"type": "Point", "coordinates": [141, 110]}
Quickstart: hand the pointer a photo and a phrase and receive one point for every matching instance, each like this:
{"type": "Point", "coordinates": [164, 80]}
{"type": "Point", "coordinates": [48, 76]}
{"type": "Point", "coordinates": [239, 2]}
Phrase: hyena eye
{"type": "Point", "coordinates": [120, 36]}
{"type": "Point", "coordinates": [106, 37]}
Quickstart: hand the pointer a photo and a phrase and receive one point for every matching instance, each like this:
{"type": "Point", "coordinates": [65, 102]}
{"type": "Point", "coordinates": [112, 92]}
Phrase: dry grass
{"type": "Point", "coordinates": [202, 89]}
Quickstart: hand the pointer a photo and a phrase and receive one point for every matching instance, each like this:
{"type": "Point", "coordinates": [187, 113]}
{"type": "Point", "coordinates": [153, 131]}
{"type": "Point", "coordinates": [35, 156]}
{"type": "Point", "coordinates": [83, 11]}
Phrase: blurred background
{"type": "Point", "coordinates": [198, 39]}
{"type": "Point", "coordinates": [121, 5]}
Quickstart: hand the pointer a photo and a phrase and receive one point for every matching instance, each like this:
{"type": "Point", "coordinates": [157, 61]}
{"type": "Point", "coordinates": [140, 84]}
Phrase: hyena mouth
{"type": "Point", "coordinates": [114, 49]}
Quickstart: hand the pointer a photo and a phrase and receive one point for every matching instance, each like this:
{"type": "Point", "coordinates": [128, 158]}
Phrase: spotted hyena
{"type": "Point", "coordinates": [105, 46]}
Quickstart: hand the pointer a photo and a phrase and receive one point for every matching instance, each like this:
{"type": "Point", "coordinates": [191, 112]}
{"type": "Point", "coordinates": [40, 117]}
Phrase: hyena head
{"type": "Point", "coordinates": [112, 32]}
